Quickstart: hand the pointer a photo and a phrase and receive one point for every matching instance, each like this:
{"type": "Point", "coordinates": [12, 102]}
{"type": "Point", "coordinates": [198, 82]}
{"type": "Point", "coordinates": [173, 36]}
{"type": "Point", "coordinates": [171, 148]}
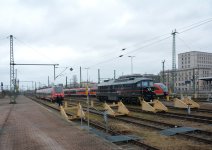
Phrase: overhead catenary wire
{"type": "Point", "coordinates": [182, 30]}
{"type": "Point", "coordinates": [148, 45]}
{"type": "Point", "coordinates": [132, 51]}
{"type": "Point", "coordinates": [29, 46]}
{"type": "Point", "coordinates": [195, 25]}
{"type": "Point", "coordinates": [185, 43]}
{"type": "Point", "coordinates": [139, 43]}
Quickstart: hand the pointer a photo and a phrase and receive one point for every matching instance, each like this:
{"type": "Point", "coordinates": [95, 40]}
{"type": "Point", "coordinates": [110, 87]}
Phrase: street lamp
{"type": "Point", "coordinates": [131, 63]}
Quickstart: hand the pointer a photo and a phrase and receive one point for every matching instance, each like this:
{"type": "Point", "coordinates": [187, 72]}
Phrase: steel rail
{"type": "Point", "coordinates": [138, 143]}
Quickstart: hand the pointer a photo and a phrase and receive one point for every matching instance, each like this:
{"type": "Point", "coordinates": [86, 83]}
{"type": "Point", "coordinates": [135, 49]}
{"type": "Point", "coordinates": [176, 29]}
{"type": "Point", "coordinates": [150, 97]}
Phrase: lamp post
{"type": "Point", "coordinates": [131, 57]}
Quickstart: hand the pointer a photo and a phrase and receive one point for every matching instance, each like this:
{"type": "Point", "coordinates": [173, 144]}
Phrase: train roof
{"type": "Point", "coordinates": [123, 81]}
{"type": "Point", "coordinates": [49, 87]}
{"type": "Point", "coordinates": [130, 76]}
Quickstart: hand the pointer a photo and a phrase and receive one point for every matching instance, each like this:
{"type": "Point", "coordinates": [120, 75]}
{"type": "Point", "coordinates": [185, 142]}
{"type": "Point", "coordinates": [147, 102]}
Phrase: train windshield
{"type": "Point", "coordinates": [58, 89]}
{"type": "Point", "coordinates": [145, 84]}
{"type": "Point", "coordinates": [165, 89]}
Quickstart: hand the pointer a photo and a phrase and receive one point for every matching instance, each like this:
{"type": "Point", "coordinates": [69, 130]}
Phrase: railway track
{"type": "Point", "coordinates": [198, 135]}
{"type": "Point", "coordinates": [98, 126]}
{"type": "Point", "coordinates": [195, 110]}
{"type": "Point", "coordinates": [195, 118]}
{"type": "Point", "coordinates": [83, 99]}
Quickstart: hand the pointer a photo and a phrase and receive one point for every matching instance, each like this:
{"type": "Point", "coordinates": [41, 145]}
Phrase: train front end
{"type": "Point", "coordinates": [57, 93]}
{"type": "Point", "coordinates": [161, 90]}
{"type": "Point", "coordinates": [147, 89]}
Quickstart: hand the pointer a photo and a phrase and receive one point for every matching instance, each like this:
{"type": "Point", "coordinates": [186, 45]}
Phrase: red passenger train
{"type": "Point", "coordinates": [80, 92]}
{"type": "Point", "coordinates": [51, 93]}
{"type": "Point", "coordinates": [160, 90]}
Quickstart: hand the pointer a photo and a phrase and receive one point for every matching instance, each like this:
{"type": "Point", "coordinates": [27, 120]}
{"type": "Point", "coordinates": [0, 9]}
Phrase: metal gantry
{"type": "Point", "coordinates": [12, 73]}
{"type": "Point", "coordinates": [173, 60]}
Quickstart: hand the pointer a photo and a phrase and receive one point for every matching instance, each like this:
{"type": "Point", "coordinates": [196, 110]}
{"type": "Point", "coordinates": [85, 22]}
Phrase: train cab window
{"type": "Point", "coordinates": [165, 89]}
{"type": "Point", "coordinates": [138, 84]}
{"type": "Point", "coordinates": [151, 83]}
{"type": "Point", "coordinates": [58, 89]}
{"type": "Point", "coordinates": [145, 83]}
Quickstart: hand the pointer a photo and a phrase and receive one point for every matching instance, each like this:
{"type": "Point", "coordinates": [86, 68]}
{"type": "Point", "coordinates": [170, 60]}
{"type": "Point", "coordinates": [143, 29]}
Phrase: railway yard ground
{"type": "Point", "coordinates": [30, 126]}
{"type": "Point", "coordinates": [40, 126]}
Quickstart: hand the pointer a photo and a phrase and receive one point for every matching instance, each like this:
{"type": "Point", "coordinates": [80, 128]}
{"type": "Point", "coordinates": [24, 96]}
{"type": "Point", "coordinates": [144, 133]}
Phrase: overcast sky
{"type": "Point", "coordinates": [92, 33]}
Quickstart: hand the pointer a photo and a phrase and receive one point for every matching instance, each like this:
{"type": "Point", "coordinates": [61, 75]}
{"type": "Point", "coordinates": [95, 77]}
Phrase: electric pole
{"type": "Point", "coordinates": [66, 81]}
{"type": "Point", "coordinates": [48, 81]}
{"type": "Point", "coordinates": [163, 76]}
{"type": "Point", "coordinates": [12, 79]}
{"type": "Point", "coordinates": [80, 77]}
{"type": "Point", "coordinates": [98, 76]}
{"type": "Point", "coordinates": [173, 60]}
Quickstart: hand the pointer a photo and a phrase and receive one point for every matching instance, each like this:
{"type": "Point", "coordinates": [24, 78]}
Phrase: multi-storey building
{"type": "Point", "coordinates": [194, 59]}
{"type": "Point", "coordinates": [192, 66]}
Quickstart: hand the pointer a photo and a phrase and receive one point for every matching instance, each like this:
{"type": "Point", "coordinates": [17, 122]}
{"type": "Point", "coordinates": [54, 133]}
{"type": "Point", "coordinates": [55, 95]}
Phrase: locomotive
{"type": "Point", "coordinates": [126, 88]}
{"type": "Point", "coordinates": [51, 93]}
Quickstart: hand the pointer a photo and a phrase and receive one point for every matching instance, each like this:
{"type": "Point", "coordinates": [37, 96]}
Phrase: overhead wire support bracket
{"type": "Point", "coordinates": [41, 65]}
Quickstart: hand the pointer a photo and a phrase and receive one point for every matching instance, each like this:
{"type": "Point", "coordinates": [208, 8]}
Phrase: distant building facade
{"type": "Point", "coordinates": [192, 66]}
{"type": "Point", "coordinates": [194, 59]}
